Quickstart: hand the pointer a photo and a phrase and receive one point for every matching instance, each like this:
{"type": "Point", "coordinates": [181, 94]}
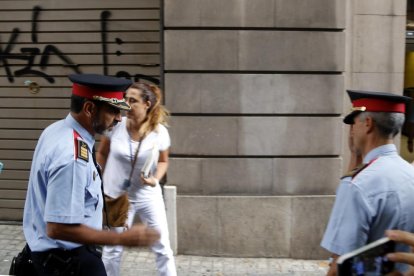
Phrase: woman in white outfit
{"type": "Point", "coordinates": [122, 154]}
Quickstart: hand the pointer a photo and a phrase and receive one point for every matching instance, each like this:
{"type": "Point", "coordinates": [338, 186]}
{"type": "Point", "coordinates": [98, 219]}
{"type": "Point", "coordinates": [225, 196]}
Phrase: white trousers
{"type": "Point", "coordinates": [151, 213]}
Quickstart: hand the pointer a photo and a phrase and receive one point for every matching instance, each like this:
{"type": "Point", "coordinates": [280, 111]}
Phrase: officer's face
{"type": "Point", "coordinates": [105, 118]}
{"type": "Point", "coordinates": [139, 107]}
{"type": "Point", "coordinates": [358, 133]}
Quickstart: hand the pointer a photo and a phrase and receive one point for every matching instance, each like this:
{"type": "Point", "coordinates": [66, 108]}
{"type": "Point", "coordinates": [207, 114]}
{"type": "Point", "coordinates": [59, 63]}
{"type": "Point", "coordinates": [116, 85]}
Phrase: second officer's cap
{"type": "Point", "coordinates": [101, 88]}
{"type": "Point", "coordinates": [374, 102]}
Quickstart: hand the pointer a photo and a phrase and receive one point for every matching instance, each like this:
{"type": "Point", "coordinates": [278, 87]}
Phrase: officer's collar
{"type": "Point", "coordinates": [377, 152]}
{"type": "Point", "coordinates": [86, 136]}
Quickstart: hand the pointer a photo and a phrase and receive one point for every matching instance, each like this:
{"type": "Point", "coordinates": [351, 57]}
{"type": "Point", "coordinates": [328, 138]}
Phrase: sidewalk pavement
{"type": "Point", "coordinates": [142, 262]}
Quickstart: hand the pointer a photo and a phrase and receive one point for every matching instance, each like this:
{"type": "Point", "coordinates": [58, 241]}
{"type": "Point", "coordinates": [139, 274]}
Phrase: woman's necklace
{"type": "Point", "coordinates": [127, 182]}
{"type": "Point", "coordinates": [133, 132]}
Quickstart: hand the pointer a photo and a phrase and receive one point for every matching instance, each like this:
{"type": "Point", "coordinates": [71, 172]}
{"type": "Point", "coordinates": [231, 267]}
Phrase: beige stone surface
{"type": "Point", "coordinates": [187, 175]}
{"type": "Point", "coordinates": [254, 93]}
{"type": "Point", "coordinates": [306, 176]}
{"type": "Point", "coordinates": [381, 7]}
{"type": "Point", "coordinates": [198, 50]}
{"type": "Point", "coordinates": [255, 226]}
{"type": "Point", "coordinates": [378, 44]}
{"type": "Point", "coordinates": [266, 136]}
{"type": "Point", "coordinates": [246, 226]}
{"type": "Point", "coordinates": [258, 13]}
{"type": "Point", "coordinates": [309, 219]}
{"type": "Point", "coordinates": [387, 82]}
{"type": "Point", "coordinates": [248, 176]}
{"type": "Point", "coordinates": [289, 136]}
{"type": "Point", "coordinates": [257, 89]}
{"type": "Point", "coordinates": [204, 135]}
{"type": "Point", "coordinates": [234, 226]}
{"type": "Point", "coordinates": [254, 50]}
{"type": "Point", "coordinates": [197, 225]}
{"type": "Point", "coordinates": [255, 176]}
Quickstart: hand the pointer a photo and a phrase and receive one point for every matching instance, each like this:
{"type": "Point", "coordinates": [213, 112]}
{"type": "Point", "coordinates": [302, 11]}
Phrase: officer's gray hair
{"type": "Point", "coordinates": [388, 124]}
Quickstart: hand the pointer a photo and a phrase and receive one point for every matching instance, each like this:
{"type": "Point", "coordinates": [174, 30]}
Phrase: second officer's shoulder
{"type": "Point", "coordinates": [354, 172]}
{"type": "Point", "coordinates": [361, 168]}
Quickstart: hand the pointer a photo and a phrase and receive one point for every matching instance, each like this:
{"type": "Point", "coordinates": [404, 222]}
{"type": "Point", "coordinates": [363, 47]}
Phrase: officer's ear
{"type": "Point", "coordinates": [89, 108]}
{"type": "Point", "coordinates": [369, 124]}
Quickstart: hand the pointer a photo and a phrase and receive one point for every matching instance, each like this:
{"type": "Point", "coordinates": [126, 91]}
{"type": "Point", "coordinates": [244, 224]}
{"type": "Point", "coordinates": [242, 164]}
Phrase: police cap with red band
{"type": "Point", "coordinates": [101, 88]}
{"type": "Point", "coordinates": [374, 102]}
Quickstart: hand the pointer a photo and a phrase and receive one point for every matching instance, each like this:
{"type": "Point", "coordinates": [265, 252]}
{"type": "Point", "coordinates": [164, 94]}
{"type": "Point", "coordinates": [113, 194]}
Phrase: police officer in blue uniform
{"type": "Point", "coordinates": [63, 210]}
{"type": "Point", "coordinates": [378, 193]}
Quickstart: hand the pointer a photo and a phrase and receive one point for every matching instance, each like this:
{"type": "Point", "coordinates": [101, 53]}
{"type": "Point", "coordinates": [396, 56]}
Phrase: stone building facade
{"type": "Point", "coordinates": [257, 89]}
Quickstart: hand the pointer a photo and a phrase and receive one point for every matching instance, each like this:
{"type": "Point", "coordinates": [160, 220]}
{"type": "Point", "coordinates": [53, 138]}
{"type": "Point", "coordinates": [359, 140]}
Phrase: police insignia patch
{"type": "Point", "coordinates": [83, 150]}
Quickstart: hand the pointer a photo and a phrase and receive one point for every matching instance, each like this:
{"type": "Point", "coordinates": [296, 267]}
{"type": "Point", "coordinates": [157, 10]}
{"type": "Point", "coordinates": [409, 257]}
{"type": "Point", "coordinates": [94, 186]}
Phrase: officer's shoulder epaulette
{"type": "Point", "coordinates": [355, 171]}
{"type": "Point", "coordinates": [358, 169]}
{"type": "Point", "coordinates": [81, 148]}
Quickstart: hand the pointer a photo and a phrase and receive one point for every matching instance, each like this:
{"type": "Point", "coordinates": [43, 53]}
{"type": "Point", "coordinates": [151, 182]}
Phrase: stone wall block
{"type": "Point", "coordinates": [258, 13]}
{"type": "Point", "coordinates": [387, 82]}
{"type": "Point", "coordinates": [198, 230]}
{"type": "Point", "coordinates": [255, 226]}
{"type": "Point", "coordinates": [255, 176]}
{"type": "Point", "coordinates": [198, 50]}
{"type": "Point", "coordinates": [291, 51]}
{"type": "Point", "coordinates": [290, 136]}
{"type": "Point", "coordinates": [254, 93]}
{"type": "Point", "coordinates": [306, 176]}
{"type": "Point", "coordinates": [186, 174]}
{"type": "Point", "coordinates": [379, 44]}
{"type": "Point", "coordinates": [254, 50]}
{"type": "Point", "coordinates": [217, 135]}
{"type": "Point", "coordinates": [310, 14]}
{"type": "Point", "coordinates": [310, 216]}
{"type": "Point", "coordinates": [248, 176]}
{"type": "Point", "coordinates": [204, 135]}
{"type": "Point", "coordinates": [234, 226]}
{"type": "Point", "coordinates": [381, 7]}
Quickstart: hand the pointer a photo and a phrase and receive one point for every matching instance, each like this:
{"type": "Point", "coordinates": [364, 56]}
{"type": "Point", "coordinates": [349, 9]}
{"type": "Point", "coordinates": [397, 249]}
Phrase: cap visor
{"type": "Point", "coordinates": [121, 106]}
{"type": "Point", "coordinates": [349, 119]}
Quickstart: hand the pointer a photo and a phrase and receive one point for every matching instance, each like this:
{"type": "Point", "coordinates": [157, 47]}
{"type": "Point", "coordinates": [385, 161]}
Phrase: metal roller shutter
{"type": "Point", "coordinates": [41, 42]}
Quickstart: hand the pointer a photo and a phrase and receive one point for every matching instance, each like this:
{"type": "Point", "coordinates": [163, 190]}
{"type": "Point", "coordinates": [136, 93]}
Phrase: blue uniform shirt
{"type": "Point", "coordinates": [64, 185]}
{"type": "Point", "coordinates": [378, 198]}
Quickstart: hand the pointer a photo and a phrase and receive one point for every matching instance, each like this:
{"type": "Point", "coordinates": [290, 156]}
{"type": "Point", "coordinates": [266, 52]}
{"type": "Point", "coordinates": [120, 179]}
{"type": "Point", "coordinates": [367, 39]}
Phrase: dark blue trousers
{"type": "Point", "coordinates": [82, 261]}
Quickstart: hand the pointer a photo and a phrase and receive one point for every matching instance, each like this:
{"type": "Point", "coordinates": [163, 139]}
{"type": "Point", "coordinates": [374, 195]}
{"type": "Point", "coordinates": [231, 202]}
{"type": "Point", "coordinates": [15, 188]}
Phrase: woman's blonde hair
{"type": "Point", "coordinates": [157, 113]}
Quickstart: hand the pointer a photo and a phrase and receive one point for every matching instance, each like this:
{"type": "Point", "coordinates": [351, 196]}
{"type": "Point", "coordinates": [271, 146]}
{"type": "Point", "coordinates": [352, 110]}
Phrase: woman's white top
{"type": "Point", "coordinates": [121, 155]}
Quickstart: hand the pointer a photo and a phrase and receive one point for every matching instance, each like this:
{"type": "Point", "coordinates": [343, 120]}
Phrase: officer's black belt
{"type": "Point", "coordinates": [64, 260]}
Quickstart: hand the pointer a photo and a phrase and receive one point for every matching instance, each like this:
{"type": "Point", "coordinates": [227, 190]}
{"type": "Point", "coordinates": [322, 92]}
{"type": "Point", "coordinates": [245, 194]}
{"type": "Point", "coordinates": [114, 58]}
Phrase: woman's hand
{"type": "Point", "coordinates": [403, 237]}
{"type": "Point", "coordinates": [402, 257]}
{"type": "Point", "coordinates": [150, 181]}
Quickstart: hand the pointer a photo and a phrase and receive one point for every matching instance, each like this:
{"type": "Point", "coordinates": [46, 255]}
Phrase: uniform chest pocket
{"type": "Point", "coordinates": [92, 196]}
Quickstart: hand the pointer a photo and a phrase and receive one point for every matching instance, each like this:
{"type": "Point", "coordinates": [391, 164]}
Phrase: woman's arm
{"type": "Point", "coordinates": [162, 167]}
{"type": "Point", "coordinates": [103, 151]}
